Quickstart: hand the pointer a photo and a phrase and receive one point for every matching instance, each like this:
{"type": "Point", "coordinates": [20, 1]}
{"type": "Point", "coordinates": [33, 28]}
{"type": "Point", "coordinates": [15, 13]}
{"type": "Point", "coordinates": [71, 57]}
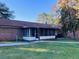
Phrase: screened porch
{"type": "Point", "coordinates": [35, 33]}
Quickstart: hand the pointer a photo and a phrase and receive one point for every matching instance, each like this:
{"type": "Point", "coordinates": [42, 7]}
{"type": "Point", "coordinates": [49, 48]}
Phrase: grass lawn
{"type": "Point", "coordinates": [41, 51]}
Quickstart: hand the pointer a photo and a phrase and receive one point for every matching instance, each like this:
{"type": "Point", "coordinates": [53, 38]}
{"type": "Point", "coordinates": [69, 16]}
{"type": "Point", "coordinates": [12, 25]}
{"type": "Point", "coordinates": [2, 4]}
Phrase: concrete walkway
{"type": "Point", "coordinates": [13, 44]}
{"type": "Point", "coordinates": [25, 43]}
{"type": "Point", "coordinates": [75, 42]}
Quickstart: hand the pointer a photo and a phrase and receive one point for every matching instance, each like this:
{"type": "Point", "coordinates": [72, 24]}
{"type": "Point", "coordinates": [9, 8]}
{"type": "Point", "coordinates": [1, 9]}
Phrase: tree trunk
{"type": "Point", "coordinates": [65, 34]}
{"type": "Point", "coordinates": [74, 34]}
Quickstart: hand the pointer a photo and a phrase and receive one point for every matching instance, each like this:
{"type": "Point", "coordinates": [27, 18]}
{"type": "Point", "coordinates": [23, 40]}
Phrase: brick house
{"type": "Point", "coordinates": [12, 30]}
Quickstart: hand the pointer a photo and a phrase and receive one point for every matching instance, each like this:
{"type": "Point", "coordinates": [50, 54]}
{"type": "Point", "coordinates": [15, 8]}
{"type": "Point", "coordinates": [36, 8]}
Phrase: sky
{"type": "Point", "coordinates": [28, 10]}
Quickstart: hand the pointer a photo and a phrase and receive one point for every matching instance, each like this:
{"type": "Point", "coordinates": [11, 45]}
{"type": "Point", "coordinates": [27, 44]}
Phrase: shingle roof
{"type": "Point", "coordinates": [25, 24]}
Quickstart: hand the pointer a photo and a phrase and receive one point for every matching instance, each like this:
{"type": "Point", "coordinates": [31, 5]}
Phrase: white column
{"type": "Point", "coordinates": [29, 32]}
{"type": "Point", "coordinates": [35, 32]}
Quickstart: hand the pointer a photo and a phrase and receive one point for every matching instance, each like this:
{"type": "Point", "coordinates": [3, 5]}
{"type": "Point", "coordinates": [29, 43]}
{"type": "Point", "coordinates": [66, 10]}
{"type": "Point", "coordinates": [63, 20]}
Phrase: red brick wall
{"type": "Point", "coordinates": [9, 34]}
{"type": "Point", "coordinates": [70, 34]}
{"type": "Point", "coordinates": [77, 34]}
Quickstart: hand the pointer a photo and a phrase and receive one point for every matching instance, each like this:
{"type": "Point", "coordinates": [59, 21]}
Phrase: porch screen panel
{"type": "Point", "coordinates": [26, 32]}
{"type": "Point", "coordinates": [32, 32]}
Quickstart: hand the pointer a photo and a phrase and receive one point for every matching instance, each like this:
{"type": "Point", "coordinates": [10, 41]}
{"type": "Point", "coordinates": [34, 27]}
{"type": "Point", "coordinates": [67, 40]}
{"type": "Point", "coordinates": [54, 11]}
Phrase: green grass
{"type": "Point", "coordinates": [41, 51]}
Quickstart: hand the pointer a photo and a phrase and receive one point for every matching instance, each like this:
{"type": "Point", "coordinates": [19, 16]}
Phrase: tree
{"type": "Point", "coordinates": [69, 15]}
{"type": "Point", "coordinates": [69, 23]}
{"type": "Point", "coordinates": [5, 12]}
{"type": "Point", "coordinates": [55, 15]}
{"type": "Point", "coordinates": [44, 18]}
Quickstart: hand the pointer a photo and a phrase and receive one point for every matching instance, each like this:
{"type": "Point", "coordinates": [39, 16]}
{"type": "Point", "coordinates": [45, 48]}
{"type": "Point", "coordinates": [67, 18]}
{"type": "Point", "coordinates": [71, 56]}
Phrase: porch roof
{"type": "Point", "coordinates": [25, 24]}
